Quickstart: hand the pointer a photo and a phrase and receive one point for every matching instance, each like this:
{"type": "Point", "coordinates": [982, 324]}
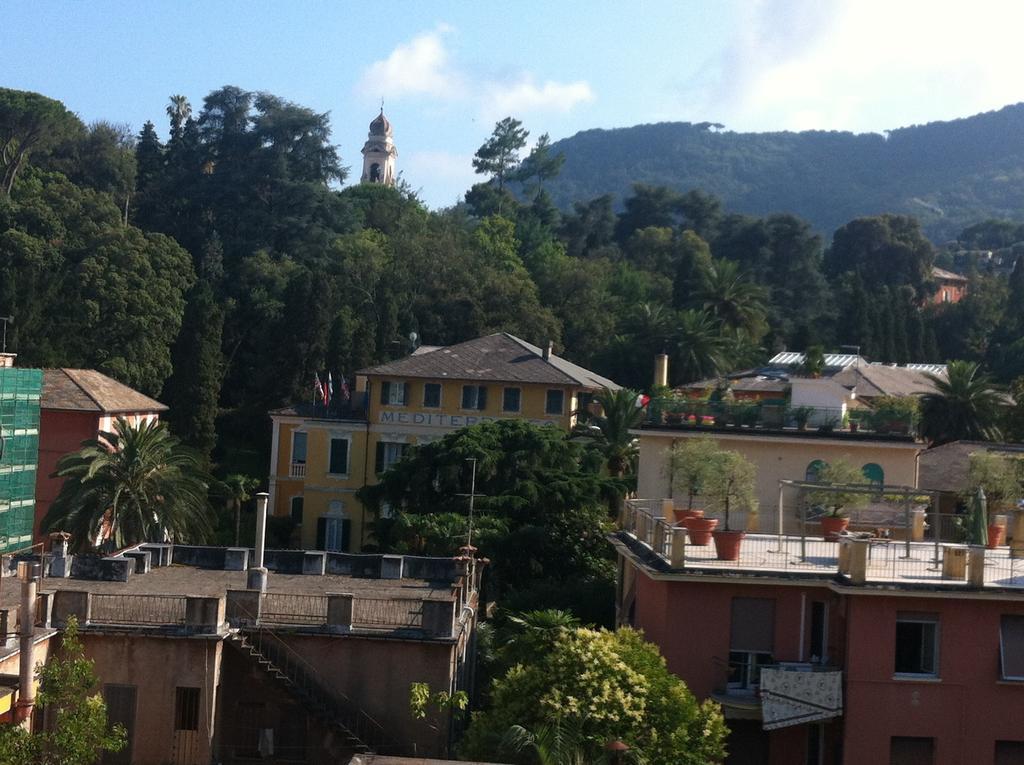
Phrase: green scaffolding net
{"type": "Point", "coordinates": [19, 441]}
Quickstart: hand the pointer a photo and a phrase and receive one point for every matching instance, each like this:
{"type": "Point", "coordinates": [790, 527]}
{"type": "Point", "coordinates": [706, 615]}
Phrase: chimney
{"type": "Point", "coordinates": [661, 370]}
{"type": "Point", "coordinates": [7, 360]}
{"type": "Point", "coordinates": [548, 347]}
{"type": "Point", "coordinates": [257, 577]}
{"type": "Point", "coordinates": [27, 573]}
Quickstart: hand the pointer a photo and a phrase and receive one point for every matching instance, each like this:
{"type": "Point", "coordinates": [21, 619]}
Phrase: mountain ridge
{"type": "Point", "coordinates": [949, 174]}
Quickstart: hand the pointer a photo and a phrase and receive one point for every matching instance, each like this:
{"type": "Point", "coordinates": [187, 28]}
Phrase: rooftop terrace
{"type": "Point", "coordinates": [869, 561]}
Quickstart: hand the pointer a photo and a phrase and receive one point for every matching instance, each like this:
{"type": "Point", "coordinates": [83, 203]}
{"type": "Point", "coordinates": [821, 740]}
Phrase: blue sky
{"type": "Point", "coordinates": [448, 70]}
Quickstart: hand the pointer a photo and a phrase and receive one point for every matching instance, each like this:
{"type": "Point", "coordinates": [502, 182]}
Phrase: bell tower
{"type": "Point", "coordinates": [379, 153]}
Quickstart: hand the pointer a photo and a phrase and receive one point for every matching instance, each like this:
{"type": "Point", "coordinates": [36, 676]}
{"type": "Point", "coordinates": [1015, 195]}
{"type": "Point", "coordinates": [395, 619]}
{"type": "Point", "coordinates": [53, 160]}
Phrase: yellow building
{"type": "Point", "coordinates": [321, 457]}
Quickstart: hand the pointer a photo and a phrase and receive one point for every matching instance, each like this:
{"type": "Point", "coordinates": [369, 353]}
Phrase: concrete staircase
{"type": "Point", "coordinates": [359, 733]}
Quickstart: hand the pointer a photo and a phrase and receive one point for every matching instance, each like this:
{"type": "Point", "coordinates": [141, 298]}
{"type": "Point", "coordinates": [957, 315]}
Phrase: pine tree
{"type": "Point", "coordinates": [148, 156]}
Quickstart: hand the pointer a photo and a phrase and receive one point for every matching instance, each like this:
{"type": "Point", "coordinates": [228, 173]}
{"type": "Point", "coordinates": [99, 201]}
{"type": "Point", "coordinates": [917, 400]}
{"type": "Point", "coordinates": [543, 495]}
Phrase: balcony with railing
{"type": "Point", "coordinates": [778, 417]}
{"type": "Point", "coordinates": [921, 550]}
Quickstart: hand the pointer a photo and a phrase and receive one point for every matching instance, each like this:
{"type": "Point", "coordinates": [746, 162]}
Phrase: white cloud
{"type": "Point", "coordinates": [861, 64]}
{"type": "Point", "coordinates": [525, 96]}
{"type": "Point", "coordinates": [423, 66]}
{"type": "Point", "coordinates": [418, 67]}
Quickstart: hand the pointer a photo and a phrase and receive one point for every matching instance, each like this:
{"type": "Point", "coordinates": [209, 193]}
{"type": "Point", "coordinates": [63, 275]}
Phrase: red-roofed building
{"type": "Point", "coordinates": [951, 287]}
{"type": "Point", "coordinates": [76, 405]}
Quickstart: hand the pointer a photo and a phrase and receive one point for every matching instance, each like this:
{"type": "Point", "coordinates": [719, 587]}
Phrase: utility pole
{"type": "Point", "coordinates": [472, 496]}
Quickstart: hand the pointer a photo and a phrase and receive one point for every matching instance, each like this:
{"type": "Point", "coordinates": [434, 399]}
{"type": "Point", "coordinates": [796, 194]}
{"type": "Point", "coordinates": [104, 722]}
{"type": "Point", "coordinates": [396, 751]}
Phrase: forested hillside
{"type": "Point", "coordinates": [222, 270]}
{"type": "Point", "coordinates": [947, 174]}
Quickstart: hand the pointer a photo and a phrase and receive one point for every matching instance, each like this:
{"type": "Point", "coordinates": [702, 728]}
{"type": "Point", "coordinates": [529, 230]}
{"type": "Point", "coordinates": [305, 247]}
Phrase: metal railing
{"type": "Point", "coordinates": [387, 612]}
{"type": "Point", "coordinates": [297, 470]}
{"type": "Point", "coordinates": [778, 415]}
{"type": "Point", "coordinates": [908, 546]}
{"type": "Point", "coordinates": [143, 610]}
{"type": "Point", "coordinates": [290, 609]}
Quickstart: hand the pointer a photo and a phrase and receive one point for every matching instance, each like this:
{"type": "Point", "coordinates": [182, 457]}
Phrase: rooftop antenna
{"type": "Point", "coordinates": [472, 495]}
{"type": "Point", "coordinates": [6, 320]}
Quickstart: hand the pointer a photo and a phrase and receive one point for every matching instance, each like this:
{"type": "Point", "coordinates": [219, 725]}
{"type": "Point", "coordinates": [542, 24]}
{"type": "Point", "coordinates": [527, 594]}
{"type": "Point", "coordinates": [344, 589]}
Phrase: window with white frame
{"type": "Point", "coordinates": [751, 642]}
{"type": "Point", "coordinates": [393, 393]}
{"type": "Point", "coordinates": [474, 397]}
{"type": "Point", "coordinates": [917, 643]}
{"type": "Point", "coordinates": [299, 445]}
{"type": "Point", "coordinates": [388, 453]}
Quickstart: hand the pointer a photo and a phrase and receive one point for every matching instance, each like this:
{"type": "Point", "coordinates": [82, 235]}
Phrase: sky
{"type": "Point", "coordinates": [447, 71]}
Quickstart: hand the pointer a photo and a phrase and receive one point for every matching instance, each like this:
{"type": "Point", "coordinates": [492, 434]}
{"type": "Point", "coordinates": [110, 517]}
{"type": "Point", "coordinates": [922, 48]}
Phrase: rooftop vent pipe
{"type": "Point", "coordinates": [257, 577]}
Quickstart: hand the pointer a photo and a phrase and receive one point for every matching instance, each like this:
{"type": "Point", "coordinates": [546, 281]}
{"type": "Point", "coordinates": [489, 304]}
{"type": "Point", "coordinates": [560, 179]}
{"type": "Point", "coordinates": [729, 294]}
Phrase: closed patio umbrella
{"type": "Point", "coordinates": [979, 518]}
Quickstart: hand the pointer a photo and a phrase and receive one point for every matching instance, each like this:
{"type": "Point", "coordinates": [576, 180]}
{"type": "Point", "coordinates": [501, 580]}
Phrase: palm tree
{"type": "Point", "coordinates": [610, 431]}
{"type": "Point", "coordinates": [700, 345]}
{"type": "Point", "coordinates": [239, 491]}
{"type": "Point", "coordinates": [963, 406]}
{"type": "Point", "coordinates": [733, 299]}
{"type": "Point", "coordinates": [533, 632]}
{"type": "Point", "coordinates": [563, 742]}
{"type": "Point", "coordinates": [178, 110]}
{"type": "Point", "coordinates": [136, 484]}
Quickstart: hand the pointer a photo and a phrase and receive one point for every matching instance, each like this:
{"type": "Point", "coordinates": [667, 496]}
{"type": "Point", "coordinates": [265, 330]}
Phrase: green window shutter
{"type": "Point", "coordinates": [379, 461]}
{"type": "Point", "coordinates": [385, 391]}
{"type": "Point", "coordinates": [405, 393]}
{"type": "Point", "coordinates": [321, 533]}
{"type": "Point", "coordinates": [346, 532]}
{"type": "Point", "coordinates": [481, 398]}
{"type": "Point", "coordinates": [339, 456]}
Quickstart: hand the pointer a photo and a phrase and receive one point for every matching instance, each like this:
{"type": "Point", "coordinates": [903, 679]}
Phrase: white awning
{"type": "Point", "coordinates": [795, 696]}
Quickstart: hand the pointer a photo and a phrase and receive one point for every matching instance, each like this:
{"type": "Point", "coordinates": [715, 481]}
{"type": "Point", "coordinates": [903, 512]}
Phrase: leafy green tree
{"type": "Point", "coordinates": [238, 489]}
{"type": "Point", "coordinates": [499, 155]}
{"type": "Point", "coordinates": [648, 207]}
{"type": "Point", "coordinates": [692, 269]}
{"type": "Point", "coordinates": [541, 164]}
{"type": "Point", "coordinates": [542, 493]}
{"type": "Point", "coordinates": [29, 123]}
{"type": "Point", "coordinates": [963, 406]}
{"type": "Point", "coordinates": [729, 484]}
{"type": "Point", "coordinates": [615, 686]}
{"type": "Point", "coordinates": [136, 484]}
{"type": "Point", "coordinates": [884, 250]}
{"type": "Point", "coordinates": [733, 299]}
{"type": "Point", "coordinates": [589, 229]}
{"type": "Point", "coordinates": [79, 733]}
{"type": "Point", "coordinates": [689, 462]}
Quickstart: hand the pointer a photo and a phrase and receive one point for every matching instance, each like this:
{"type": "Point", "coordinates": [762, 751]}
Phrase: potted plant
{"type": "Point", "coordinates": [895, 414]}
{"type": "Point", "coordinates": [1002, 479]}
{"type": "Point", "coordinates": [801, 415]}
{"type": "Point", "coordinates": [728, 487]}
{"type": "Point", "coordinates": [836, 502]}
{"type": "Point", "coordinates": [688, 463]}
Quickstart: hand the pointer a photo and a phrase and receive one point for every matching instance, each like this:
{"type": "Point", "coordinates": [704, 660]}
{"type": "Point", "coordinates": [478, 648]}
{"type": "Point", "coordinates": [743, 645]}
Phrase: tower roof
{"type": "Point", "coordinates": [380, 125]}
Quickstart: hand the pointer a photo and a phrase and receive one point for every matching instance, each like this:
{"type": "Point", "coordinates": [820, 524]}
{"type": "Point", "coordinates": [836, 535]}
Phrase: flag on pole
{"type": "Point", "coordinates": [328, 390]}
{"type": "Point", "coordinates": [318, 388]}
{"type": "Point", "coordinates": [346, 394]}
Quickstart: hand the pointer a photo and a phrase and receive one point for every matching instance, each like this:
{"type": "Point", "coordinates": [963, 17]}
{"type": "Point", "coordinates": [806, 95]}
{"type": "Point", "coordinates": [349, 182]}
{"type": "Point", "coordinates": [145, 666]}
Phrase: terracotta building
{"type": "Point", "coordinates": [76, 405]}
{"type": "Point", "coordinates": [200, 669]}
{"type": "Point", "coordinates": [950, 287]}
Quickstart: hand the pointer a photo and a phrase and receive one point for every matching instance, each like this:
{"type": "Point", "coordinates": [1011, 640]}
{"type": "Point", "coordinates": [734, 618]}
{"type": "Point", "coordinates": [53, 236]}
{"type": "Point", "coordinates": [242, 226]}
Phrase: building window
{"type": "Point", "coordinates": [332, 533]}
{"type": "Point", "coordinates": [393, 393]}
{"type": "Point", "coordinates": [911, 750]}
{"type": "Point", "coordinates": [751, 640]}
{"type": "Point", "coordinates": [917, 643]}
{"type": "Point", "coordinates": [388, 453]}
{"type": "Point", "coordinates": [474, 397]}
{"type": "Point", "coordinates": [511, 400]}
{"type": "Point", "coordinates": [555, 403]}
{"type": "Point", "coordinates": [186, 708]}
{"type": "Point", "coordinates": [814, 470]}
{"type": "Point", "coordinates": [432, 395]}
{"type": "Point", "coordinates": [1011, 647]}
{"type": "Point", "coordinates": [819, 632]}
{"type": "Point", "coordinates": [295, 510]}
{"type": "Point", "coordinates": [945, 296]}
{"type": "Point", "coordinates": [339, 457]}
{"type": "Point", "coordinates": [299, 441]}
{"type": "Point", "coordinates": [874, 473]}
{"type": "Point", "coordinates": [583, 401]}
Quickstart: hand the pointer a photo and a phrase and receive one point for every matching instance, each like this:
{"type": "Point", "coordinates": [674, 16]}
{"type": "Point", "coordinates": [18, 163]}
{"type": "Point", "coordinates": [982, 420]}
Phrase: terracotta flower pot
{"type": "Point", "coordinates": [682, 515]}
{"type": "Point", "coordinates": [832, 527]}
{"type": "Point", "coordinates": [727, 544]}
{"type": "Point", "coordinates": [699, 530]}
{"type": "Point", "coordinates": [996, 535]}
